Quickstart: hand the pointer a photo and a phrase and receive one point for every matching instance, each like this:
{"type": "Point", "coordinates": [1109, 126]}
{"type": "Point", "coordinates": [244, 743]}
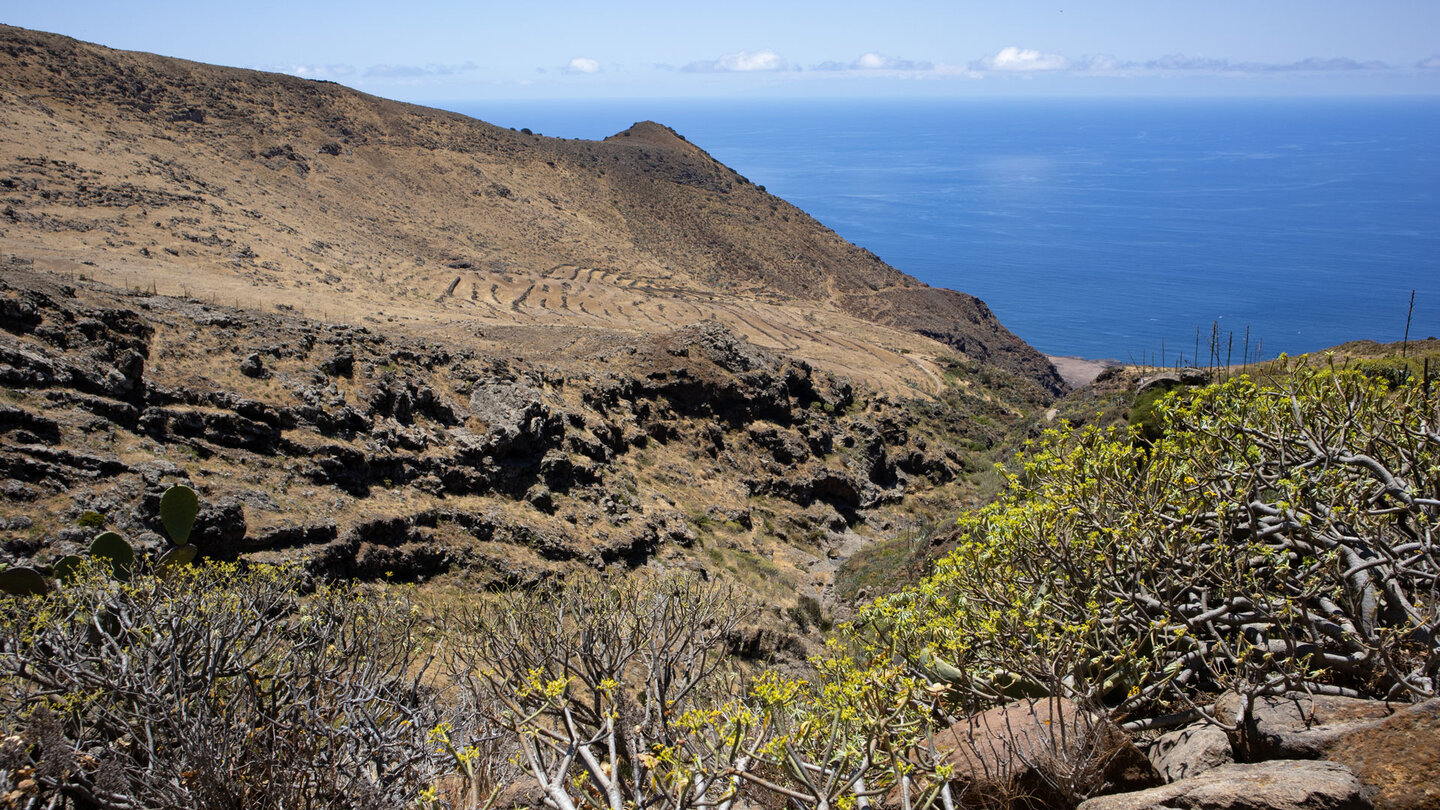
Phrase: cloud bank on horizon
{"type": "Point", "coordinates": [1009, 61]}
{"type": "Point", "coordinates": [740, 62]}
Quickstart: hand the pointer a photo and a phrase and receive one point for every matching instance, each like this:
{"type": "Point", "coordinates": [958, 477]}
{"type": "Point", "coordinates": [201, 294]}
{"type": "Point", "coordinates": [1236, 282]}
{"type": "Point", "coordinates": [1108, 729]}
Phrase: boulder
{"type": "Point", "coordinates": [1275, 785]}
{"type": "Point", "coordinates": [514, 414]}
{"type": "Point", "coordinates": [1190, 751]}
{"type": "Point", "coordinates": [1296, 726]}
{"type": "Point", "coordinates": [340, 364]}
{"type": "Point", "coordinates": [723, 347]}
{"type": "Point", "coordinates": [253, 366]}
{"type": "Point", "coordinates": [1020, 755]}
{"type": "Point", "coordinates": [1397, 758]}
{"type": "Point", "coordinates": [1170, 379]}
{"type": "Point", "coordinates": [540, 497]}
{"type": "Point", "coordinates": [1393, 749]}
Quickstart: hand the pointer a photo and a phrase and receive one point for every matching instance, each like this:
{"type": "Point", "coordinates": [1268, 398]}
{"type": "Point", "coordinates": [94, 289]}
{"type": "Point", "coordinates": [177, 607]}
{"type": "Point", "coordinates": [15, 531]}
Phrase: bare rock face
{"type": "Point", "coordinates": [1190, 751]}
{"type": "Point", "coordinates": [1396, 758]}
{"type": "Point", "coordinates": [1019, 753]}
{"type": "Point", "coordinates": [1274, 785]}
{"type": "Point", "coordinates": [1297, 726]}
{"type": "Point", "coordinates": [1393, 749]}
{"type": "Point", "coordinates": [513, 411]}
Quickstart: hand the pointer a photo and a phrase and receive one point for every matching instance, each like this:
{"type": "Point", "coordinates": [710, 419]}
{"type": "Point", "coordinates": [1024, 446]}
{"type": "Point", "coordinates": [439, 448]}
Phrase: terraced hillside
{"type": "Point", "coordinates": [259, 190]}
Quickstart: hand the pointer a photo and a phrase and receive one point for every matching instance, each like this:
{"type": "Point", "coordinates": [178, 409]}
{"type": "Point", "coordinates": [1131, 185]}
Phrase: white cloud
{"type": "Point", "coordinates": [760, 60]}
{"type": "Point", "coordinates": [1100, 63]}
{"type": "Point", "coordinates": [1013, 59]}
{"type": "Point", "coordinates": [417, 71]}
{"type": "Point", "coordinates": [1433, 63]}
{"type": "Point", "coordinates": [583, 64]}
{"type": "Point", "coordinates": [873, 61]}
{"type": "Point", "coordinates": [740, 62]}
{"type": "Point", "coordinates": [326, 72]}
{"type": "Point", "coordinates": [876, 61]}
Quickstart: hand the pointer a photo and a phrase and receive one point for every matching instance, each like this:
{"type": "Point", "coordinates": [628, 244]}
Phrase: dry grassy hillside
{"type": "Point", "coordinates": [260, 189]}
{"type": "Point", "coordinates": [393, 342]}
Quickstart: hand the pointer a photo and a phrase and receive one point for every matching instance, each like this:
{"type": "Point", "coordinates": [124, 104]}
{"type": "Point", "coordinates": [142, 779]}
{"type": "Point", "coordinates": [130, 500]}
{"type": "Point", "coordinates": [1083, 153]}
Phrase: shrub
{"type": "Point", "coordinates": [90, 519]}
{"type": "Point", "coordinates": [1272, 539]}
{"type": "Point", "coordinates": [216, 687]}
{"type": "Point", "coordinates": [588, 677]}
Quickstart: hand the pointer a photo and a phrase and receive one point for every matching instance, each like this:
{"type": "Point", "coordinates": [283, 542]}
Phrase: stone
{"type": "Point", "coordinates": [253, 366]}
{"type": "Point", "coordinates": [513, 412]}
{"type": "Point", "coordinates": [16, 491]}
{"type": "Point", "coordinates": [1019, 752]}
{"type": "Point", "coordinates": [1170, 379]}
{"type": "Point", "coordinates": [1274, 785]}
{"type": "Point", "coordinates": [1296, 726]}
{"type": "Point", "coordinates": [28, 428]}
{"type": "Point", "coordinates": [220, 529]}
{"type": "Point", "coordinates": [1190, 751]}
{"type": "Point", "coordinates": [1397, 758]}
{"type": "Point", "coordinates": [539, 496]}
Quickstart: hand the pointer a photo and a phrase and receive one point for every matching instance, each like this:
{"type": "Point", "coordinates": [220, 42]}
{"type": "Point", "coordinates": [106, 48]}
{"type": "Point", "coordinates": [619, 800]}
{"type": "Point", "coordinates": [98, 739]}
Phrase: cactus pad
{"type": "Point", "coordinates": [23, 582]}
{"type": "Point", "coordinates": [112, 548]}
{"type": "Point", "coordinates": [66, 568]}
{"type": "Point", "coordinates": [174, 558]}
{"type": "Point", "coordinates": [178, 508]}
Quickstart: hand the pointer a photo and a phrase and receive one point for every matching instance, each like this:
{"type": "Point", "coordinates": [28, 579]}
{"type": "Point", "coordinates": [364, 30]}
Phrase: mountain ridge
{"type": "Point", "coordinates": [295, 186]}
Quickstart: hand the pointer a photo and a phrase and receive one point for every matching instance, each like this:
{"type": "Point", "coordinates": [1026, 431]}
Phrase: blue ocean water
{"type": "Point", "coordinates": [1103, 228]}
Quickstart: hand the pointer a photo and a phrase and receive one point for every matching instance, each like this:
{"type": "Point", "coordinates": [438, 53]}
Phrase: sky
{"type": "Point", "coordinates": [555, 49]}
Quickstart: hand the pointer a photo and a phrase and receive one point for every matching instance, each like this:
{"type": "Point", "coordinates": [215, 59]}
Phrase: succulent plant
{"type": "Point", "coordinates": [178, 508]}
{"type": "Point", "coordinates": [174, 557]}
{"type": "Point", "coordinates": [23, 581]}
{"type": "Point", "coordinates": [67, 567]}
{"type": "Point", "coordinates": [113, 548]}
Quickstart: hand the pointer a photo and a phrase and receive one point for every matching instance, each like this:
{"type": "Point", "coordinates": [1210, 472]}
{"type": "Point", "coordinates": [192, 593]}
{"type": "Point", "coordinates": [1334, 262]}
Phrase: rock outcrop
{"type": "Point", "coordinates": [1274, 785]}
{"type": "Point", "coordinates": [1035, 754]}
{"type": "Point", "coordinates": [1190, 751]}
{"type": "Point", "coordinates": [1394, 749]}
{"type": "Point", "coordinates": [369, 455]}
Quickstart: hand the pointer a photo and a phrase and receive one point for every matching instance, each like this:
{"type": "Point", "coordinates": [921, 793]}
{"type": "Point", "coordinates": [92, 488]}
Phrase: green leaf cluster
{"type": "Point", "coordinates": [1270, 538]}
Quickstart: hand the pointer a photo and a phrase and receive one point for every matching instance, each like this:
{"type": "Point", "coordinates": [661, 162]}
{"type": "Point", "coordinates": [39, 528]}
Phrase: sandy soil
{"type": "Point", "coordinates": [1078, 371]}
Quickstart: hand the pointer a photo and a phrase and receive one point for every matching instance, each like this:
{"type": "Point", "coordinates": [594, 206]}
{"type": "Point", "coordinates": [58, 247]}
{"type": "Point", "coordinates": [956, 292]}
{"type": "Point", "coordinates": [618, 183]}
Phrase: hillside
{"type": "Point", "coordinates": [259, 189]}
{"type": "Point", "coordinates": [398, 343]}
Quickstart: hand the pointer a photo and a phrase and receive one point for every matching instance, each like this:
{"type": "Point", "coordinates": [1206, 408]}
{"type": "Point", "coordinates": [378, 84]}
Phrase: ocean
{"type": "Point", "coordinates": [1103, 228]}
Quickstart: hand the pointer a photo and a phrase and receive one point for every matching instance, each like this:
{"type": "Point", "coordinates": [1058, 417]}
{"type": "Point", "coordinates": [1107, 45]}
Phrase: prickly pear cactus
{"type": "Point", "coordinates": [175, 557]}
{"type": "Point", "coordinates": [178, 508]}
{"type": "Point", "coordinates": [112, 548]}
{"type": "Point", "coordinates": [66, 568]}
{"type": "Point", "coordinates": [23, 582]}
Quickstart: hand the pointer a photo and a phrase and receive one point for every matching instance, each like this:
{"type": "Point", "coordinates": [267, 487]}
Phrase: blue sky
{"type": "Point", "coordinates": [433, 51]}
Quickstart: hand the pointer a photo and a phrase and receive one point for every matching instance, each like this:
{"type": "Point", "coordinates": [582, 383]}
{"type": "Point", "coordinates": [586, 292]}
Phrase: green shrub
{"type": "Point", "coordinates": [90, 519]}
{"type": "Point", "coordinates": [1395, 371]}
{"type": "Point", "coordinates": [1271, 539]}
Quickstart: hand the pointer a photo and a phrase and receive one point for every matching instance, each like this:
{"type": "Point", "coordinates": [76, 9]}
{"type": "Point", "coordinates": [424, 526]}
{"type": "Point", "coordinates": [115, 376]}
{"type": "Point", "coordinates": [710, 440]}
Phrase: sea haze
{"type": "Point", "coordinates": [1103, 228]}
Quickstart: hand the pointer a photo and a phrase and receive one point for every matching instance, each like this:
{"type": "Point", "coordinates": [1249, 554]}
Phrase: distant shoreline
{"type": "Point", "coordinates": [1080, 371]}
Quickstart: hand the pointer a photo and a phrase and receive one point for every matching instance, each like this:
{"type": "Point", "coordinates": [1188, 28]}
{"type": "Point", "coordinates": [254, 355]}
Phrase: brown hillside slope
{"type": "Point", "coordinates": [257, 189]}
